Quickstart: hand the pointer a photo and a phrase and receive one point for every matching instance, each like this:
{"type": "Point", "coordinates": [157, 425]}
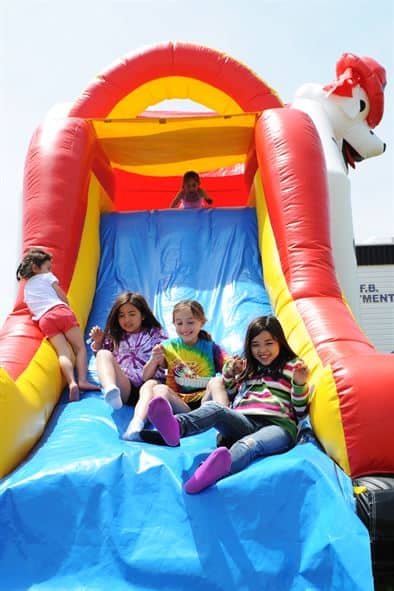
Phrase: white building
{"type": "Point", "coordinates": [375, 264]}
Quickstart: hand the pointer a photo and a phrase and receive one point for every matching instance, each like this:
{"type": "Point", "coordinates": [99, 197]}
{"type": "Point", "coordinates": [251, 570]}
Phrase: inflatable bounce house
{"type": "Point", "coordinates": [79, 507]}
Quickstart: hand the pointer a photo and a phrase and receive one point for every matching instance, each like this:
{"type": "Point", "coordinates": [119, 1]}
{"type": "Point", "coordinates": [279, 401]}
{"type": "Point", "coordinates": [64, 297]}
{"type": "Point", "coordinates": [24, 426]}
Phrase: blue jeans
{"type": "Point", "coordinates": [255, 436]}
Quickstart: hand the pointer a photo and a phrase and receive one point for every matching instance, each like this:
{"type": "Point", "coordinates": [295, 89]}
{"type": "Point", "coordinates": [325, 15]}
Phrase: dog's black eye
{"type": "Point", "coordinates": [362, 106]}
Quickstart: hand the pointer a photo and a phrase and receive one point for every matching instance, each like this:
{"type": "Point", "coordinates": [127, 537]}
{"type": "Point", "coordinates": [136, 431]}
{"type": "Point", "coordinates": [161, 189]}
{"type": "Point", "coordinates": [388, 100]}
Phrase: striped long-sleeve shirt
{"type": "Point", "coordinates": [277, 398]}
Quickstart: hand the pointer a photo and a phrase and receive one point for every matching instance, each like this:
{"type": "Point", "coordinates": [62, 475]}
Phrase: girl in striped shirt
{"type": "Point", "coordinates": [267, 391]}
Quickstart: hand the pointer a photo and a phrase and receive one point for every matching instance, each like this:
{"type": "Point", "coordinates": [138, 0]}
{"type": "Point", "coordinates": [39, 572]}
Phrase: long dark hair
{"type": "Point", "coordinates": [35, 256]}
{"type": "Point", "coordinates": [197, 312]}
{"type": "Point", "coordinates": [273, 326]}
{"type": "Point", "coordinates": [112, 326]}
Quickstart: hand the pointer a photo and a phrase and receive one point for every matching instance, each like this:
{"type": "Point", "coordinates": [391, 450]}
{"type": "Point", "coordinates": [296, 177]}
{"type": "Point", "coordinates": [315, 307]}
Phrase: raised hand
{"type": "Point", "coordinates": [97, 335]}
{"type": "Point", "coordinates": [301, 373]}
{"type": "Point", "coordinates": [157, 354]}
{"type": "Point", "coordinates": [237, 365]}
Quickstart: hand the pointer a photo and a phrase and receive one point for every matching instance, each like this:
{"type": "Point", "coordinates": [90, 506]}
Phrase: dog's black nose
{"type": "Point", "coordinates": [384, 147]}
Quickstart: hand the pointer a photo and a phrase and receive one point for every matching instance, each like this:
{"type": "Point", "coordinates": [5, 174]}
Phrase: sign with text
{"type": "Point", "coordinates": [377, 305]}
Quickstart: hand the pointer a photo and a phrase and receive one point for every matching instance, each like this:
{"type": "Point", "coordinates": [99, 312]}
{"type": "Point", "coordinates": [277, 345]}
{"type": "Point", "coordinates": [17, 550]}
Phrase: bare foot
{"type": "Point", "coordinates": [74, 393]}
{"type": "Point", "coordinates": [85, 385]}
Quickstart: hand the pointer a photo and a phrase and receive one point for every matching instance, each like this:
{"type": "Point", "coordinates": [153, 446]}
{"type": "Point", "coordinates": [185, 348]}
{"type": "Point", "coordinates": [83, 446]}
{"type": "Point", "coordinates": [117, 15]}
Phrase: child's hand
{"type": "Point", "coordinates": [237, 365]}
{"type": "Point", "coordinates": [96, 335]}
{"type": "Point", "coordinates": [301, 373]}
{"type": "Point", "coordinates": [157, 354]}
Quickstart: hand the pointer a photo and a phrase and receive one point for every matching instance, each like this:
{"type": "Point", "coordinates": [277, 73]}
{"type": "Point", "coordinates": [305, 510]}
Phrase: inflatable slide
{"type": "Point", "coordinates": [82, 509]}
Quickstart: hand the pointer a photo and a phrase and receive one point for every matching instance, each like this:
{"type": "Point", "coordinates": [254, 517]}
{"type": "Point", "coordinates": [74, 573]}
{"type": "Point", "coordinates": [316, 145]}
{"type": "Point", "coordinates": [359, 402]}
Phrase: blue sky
{"type": "Point", "coordinates": [51, 49]}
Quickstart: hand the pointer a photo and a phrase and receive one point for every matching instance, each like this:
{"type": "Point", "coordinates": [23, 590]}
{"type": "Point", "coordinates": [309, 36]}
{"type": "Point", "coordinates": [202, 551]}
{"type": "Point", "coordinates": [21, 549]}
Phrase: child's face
{"type": "Point", "coordinates": [264, 348]}
{"type": "Point", "coordinates": [187, 326]}
{"type": "Point", "coordinates": [191, 186]}
{"type": "Point", "coordinates": [129, 318]}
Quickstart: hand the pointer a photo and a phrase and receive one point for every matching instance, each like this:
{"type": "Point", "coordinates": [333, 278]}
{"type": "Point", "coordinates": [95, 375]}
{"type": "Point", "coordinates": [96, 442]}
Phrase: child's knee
{"type": "Point", "coordinates": [146, 389]}
{"type": "Point", "coordinates": [161, 390]}
{"type": "Point", "coordinates": [103, 356]}
{"type": "Point", "coordinates": [247, 443]}
{"type": "Point", "coordinates": [215, 407]}
{"type": "Point", "coordinates": [246, 448]}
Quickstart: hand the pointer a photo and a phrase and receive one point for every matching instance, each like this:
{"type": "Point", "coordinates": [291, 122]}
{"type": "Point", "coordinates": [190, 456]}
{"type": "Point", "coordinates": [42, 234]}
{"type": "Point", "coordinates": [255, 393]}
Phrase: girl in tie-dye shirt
{"type": "Point", "coordinates": [191, 359]}
{"type": "Point", "coordinates": [124, 347]}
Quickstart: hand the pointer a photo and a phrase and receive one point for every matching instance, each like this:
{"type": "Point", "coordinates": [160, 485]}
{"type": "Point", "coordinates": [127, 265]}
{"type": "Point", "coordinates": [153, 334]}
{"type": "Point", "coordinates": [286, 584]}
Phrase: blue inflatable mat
{"type": "Point", "coordinates": [88, 511]}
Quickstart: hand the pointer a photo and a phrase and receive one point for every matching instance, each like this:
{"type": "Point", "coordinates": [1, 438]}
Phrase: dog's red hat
{"type": "Point", "coordinates": [372, 79]}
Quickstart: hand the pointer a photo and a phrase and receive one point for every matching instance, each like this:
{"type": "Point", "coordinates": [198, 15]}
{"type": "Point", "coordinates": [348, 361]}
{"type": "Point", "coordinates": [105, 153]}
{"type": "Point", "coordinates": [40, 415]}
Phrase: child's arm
{"type": "Point", "coordinates": [59, 292]}
{"type": "Point", "coordinates": [176, 200]}
{"type": "Point", "coordinates": [300, 389]}
{"type": "Point", "coordinates": [157, 359]}
{"type": "Point", "coordinates": [205, 196]}
{"type": "Point", "coordinates": [231, 370]}
{"type": "Point", "coordinates": [219, 357]}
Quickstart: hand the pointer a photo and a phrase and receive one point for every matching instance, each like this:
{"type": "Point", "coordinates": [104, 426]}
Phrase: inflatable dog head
{"type": "Point", "coordinates": [353, 71]}
{"type": "Point", "coordinates": [354, 105]}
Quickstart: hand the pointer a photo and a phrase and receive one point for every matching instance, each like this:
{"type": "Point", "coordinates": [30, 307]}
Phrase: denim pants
{"type": "Point", "coordinates": [254, 436]}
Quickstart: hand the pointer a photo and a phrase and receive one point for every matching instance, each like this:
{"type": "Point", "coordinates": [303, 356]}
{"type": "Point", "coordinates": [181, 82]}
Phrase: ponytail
{"type": "Point", "coordinates": [204, 335]}
{"type": "Point", "coordinates": [34, 256]}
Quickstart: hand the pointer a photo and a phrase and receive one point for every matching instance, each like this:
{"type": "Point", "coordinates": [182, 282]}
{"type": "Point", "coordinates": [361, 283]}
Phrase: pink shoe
{"type": "Point", "coordinates": [161, 416]}
{"type": "Point", "coordinates": [217, 465]}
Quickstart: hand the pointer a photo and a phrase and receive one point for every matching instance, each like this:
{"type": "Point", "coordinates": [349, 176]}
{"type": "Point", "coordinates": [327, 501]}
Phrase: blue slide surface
{"type": "Point", "coordinates": [88, 511]}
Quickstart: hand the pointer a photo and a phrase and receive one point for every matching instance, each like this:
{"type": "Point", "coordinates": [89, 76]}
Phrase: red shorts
{"type": "Point", "coordinates": [58, 319]}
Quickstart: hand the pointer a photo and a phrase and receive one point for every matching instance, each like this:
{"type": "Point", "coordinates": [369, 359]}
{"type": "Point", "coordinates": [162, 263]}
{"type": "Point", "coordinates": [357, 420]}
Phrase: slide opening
{"type": "Point", "coordinates": [150, 154]}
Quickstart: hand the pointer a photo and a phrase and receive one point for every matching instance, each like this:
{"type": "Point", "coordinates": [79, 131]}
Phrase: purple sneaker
{"type": "Point", "coordinates": [217, 465]}
{"type": "Point", "coordinates": [161, 416]}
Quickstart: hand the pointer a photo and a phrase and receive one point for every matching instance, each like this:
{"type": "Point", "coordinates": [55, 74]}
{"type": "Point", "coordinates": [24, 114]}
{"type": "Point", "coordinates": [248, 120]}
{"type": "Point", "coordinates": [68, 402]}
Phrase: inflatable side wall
{"type": "Point", "coordinates": [353, 381]}
{"type": "Point", "coordinates": [61, 188]}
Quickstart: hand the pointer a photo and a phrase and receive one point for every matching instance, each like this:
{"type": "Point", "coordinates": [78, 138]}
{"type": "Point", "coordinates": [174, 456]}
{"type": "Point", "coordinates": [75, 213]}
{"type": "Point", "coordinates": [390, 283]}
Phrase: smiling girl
{"type": "Point", "coordinates": [191, 358]}
{"type": "Point", "coordinates": [123, 348]}
{"type": "Point", "coordinates": [268, 392]}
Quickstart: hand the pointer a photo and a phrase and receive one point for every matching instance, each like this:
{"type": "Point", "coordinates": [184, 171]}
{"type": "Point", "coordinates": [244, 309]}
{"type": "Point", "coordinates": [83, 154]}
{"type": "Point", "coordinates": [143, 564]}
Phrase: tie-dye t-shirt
{"type": "Point", "coordinates": [134, 351]}
{"type": "Point", "coordinates": [190, 367]}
